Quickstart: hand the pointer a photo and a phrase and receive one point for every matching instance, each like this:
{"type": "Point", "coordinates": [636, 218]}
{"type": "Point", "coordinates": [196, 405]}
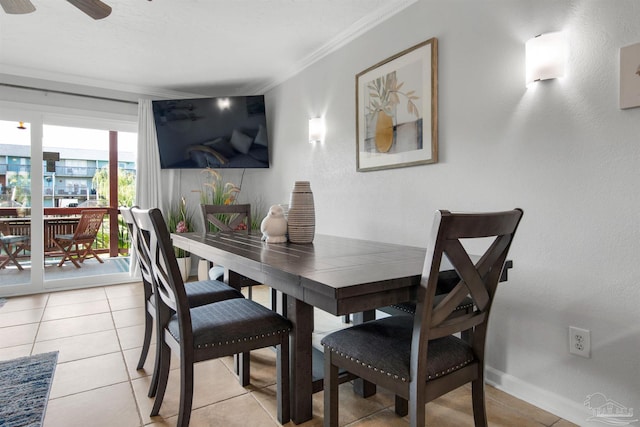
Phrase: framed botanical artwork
{"type": "Point", "coordinates": [630, 76]}
{"type": "Point", "coordinates": [397, 110]}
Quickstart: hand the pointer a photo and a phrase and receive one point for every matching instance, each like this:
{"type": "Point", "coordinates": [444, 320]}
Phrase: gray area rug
{"type": "Point", "coordinates": [24, 389]}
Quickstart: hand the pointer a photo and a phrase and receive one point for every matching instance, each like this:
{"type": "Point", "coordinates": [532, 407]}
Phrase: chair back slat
{"type": "Point", "coordinates": [89, 224]}
{"type": "Point", "coordinates": [4, 229]}
{"type": "Point", "coordinates": [477, 280]}
{"type": "Point", "coordinates": [226, 217]}
{"type": "Point", "coordinates": [158, 249]}
{"type": "Point", "coordinates": [137, 246]}
{"type": "Point", "coordinates": [462, 322]}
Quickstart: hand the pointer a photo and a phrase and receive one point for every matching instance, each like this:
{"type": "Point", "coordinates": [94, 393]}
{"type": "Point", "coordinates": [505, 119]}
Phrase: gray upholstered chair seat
{"type": "Point", "coordinates": [385, 347]}
{"type": "Point", "coordinates": [206, 292]}
{"type": "Point", "coordinates": [231, 321]}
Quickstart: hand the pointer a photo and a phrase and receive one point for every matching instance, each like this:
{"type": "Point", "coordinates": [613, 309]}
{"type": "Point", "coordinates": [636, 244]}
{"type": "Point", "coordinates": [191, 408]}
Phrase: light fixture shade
{"type": "Point", "coordinates": [546, 57]}
{"type": "Point", "coordinates": [316, 129]}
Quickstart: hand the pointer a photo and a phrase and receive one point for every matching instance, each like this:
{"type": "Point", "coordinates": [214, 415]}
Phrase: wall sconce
{"type": "Point", "coordinates": [316, 129]}
{"type": "Point", "coordinates": [545, 57]}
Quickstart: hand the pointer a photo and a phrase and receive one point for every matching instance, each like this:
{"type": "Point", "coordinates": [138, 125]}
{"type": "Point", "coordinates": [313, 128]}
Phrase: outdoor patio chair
{"type": "Point", "coordinates": [419, 358]}
{"type": "Point", "coordinates": [11, 245]}
{"type": "Point", "coordinates": [77, 247]}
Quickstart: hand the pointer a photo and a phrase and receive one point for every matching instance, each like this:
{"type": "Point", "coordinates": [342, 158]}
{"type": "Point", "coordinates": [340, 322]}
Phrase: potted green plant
{"type": "Point", "coordinates": [215, 192]}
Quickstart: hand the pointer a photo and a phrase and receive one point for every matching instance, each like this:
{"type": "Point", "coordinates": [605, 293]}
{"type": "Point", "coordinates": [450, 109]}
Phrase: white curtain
{"type": "Point", "coordinates": [148, 185]}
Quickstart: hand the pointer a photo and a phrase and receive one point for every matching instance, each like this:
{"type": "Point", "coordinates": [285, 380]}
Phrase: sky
{"type": "Point", "coordinates": [67, 137]}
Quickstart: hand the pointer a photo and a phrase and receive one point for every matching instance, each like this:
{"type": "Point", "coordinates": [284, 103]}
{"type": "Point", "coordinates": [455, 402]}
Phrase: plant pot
{"type": "Point", "coordinates": [203, 269]}
{"type": "Point", "coordinates": [184, 264]}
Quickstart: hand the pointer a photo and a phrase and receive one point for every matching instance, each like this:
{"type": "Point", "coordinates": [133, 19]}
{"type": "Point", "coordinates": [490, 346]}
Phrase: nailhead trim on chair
{"type": "Point", "coordinates": [220, 343]}
{"type": "Point", "coordinates": [396, 377]}
{"type": "Point", "coordinates": [407, 310]}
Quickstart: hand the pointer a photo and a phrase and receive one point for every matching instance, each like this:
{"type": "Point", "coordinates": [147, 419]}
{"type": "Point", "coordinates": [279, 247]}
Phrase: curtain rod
{"type": "Point", "coordinates": [61, 92]}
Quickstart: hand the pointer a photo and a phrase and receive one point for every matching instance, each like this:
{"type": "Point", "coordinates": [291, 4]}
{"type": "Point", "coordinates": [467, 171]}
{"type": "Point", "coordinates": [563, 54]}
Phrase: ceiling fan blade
{"type": "Point", "coordinates": [17, 7]}
{"type": "Point", "coordinates": [94, 8]}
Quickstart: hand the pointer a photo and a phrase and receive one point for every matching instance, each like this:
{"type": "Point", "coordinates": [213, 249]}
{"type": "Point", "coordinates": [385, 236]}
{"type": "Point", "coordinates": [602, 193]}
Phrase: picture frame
{"type": "Point", "coordinates": [630, 76]}
{"type": "Point", "coordinates": [397, 110]}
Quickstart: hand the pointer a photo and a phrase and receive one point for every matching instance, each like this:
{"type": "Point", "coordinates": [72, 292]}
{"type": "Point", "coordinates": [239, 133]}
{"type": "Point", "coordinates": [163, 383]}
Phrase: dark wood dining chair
{"type": "Point", "coordinates": [77, 247]}
{"type": "Point", "coordinates": [198, 293]}
{"type": "Point", "coordinates": [11, 244]}
{"type": "Point", "coordinates": [418, 357]}
{"type": "Point", "coordinates": [235, 218]}
{"type": "Point", "coordinates": [209, 331]}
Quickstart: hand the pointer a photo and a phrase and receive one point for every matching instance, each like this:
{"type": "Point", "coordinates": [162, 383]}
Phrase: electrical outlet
{"type": "Point", "coordinates": [580, 342]}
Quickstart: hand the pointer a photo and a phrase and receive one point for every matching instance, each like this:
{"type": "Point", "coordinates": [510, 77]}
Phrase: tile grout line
{"type": "Point", "coordinates": [124, 362]}
{"type": "Point", "coordinates": [35, 336]}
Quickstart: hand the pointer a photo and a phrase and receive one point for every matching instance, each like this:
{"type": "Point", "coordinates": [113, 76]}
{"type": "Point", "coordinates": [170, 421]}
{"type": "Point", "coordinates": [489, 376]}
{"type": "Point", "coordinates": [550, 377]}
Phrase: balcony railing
{"type": "Point", "coordinates": [113, 237]}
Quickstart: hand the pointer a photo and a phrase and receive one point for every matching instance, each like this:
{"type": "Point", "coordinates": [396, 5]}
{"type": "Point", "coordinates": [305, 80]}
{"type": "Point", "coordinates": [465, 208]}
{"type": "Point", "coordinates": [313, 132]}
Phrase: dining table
{"type": "Point", "coordinates": [340, 275]}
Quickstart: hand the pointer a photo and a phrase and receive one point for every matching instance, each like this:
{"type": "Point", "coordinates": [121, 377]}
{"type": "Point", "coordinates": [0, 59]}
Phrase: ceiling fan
{"type": "Point", "coordinates": [94, 8]}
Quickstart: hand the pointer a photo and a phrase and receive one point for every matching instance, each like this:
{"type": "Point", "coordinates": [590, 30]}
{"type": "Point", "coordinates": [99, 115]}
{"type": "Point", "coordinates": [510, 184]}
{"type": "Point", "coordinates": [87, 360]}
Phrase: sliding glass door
{"type": "Point", "coordinates": [52, 169]}
{"type": "Point", "coordinates": [77, 182]}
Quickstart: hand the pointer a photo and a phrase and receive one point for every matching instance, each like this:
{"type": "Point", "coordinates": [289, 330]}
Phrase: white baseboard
{"type": "Point", "coordinates": [569, 410]}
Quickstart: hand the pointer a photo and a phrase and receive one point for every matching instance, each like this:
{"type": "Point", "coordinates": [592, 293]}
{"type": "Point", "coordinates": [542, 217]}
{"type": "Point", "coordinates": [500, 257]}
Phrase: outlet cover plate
{"type": "Point", "coordinates": [580, 342]}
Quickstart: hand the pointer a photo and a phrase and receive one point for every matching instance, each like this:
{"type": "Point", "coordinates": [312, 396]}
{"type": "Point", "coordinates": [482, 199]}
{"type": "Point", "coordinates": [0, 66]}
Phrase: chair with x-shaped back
{"type": "Point", "coordinates": [418, 357]}
{"type": "Point", "coordinates": [228, 218]}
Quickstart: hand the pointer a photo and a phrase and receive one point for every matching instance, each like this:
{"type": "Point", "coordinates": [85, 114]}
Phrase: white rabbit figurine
{"type": "Point", "coordinates": [274, 226]}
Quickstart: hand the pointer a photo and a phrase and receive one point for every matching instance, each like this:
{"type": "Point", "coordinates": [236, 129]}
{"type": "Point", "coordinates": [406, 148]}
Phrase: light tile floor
{"type": "Point", "coordinates": [98, 332]}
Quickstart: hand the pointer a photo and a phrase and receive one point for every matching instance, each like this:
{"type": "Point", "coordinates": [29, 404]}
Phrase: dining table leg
{"type": "Point", "coordinates": [361, 387]}
{"type": "Point", "coordinates": [301, 316]}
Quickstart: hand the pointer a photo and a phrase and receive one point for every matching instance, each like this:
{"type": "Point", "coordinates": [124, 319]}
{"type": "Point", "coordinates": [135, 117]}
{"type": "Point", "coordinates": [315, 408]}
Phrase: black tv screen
{"type": "Point", "coordinates": [222, 132]}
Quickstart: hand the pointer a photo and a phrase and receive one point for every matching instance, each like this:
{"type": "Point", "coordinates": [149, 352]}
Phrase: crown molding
{"type": "Point", "coordinates": [354, 31]}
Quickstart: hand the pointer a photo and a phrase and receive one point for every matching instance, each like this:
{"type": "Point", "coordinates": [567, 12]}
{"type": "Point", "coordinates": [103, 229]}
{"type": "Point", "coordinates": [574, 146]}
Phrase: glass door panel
{"type": "Point", "coordinates": [76, 179]}
{"type": "Point", "coordinates": [15, 206]}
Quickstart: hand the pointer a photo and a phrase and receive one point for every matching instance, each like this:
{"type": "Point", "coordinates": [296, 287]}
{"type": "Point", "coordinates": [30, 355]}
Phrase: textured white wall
{"type": "Point", "coordinates": [563, 151]}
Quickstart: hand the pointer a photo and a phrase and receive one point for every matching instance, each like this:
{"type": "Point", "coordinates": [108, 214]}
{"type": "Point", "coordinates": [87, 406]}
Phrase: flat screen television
{"type": "Point", "coordinates": [222, 132]}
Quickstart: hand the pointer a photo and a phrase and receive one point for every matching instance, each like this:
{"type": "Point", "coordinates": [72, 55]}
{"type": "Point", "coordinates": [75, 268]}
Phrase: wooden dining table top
{"type": "Point", "coordinates": [324, 273]}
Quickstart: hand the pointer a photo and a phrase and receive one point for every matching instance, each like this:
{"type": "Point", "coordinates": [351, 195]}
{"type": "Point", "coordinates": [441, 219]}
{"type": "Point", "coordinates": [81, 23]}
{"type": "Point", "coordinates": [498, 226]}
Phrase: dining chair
{"type": "Point", "coordinates": [198, 293]}
{"type": "Point", "coordinates": [210, 331]}
{"type": "Point", "coordinates": [12, 245]}
{"type": "Point", "coordinates": [77, 247]}
{"type": "Point", "coordinates": [234, 217]}
{"type": "Point", "coordinates": [418, 357]}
